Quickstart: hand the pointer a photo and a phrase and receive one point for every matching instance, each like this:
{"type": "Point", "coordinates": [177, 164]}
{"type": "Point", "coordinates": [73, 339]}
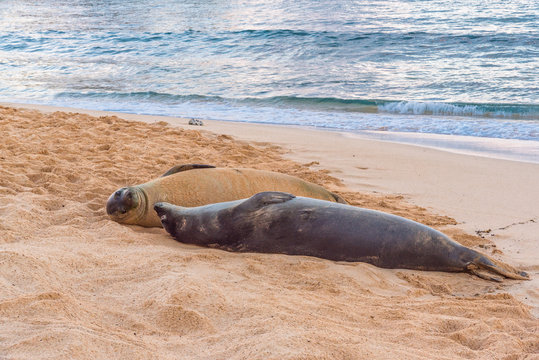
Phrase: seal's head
{"type": "Point", "coordinates": [126, 205]}
{"type": "Point", "coordinates": [164, 211]}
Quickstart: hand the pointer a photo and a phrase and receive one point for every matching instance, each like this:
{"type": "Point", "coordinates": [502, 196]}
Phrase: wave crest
{"type": "Point", "coordinates": [461, 109]}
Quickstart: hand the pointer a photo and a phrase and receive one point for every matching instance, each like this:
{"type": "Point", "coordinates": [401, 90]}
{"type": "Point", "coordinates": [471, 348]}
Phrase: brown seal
{"type": "Point", "coordinates": [276, 222]}
{"type": "Point", "coordinates": [196, 185]}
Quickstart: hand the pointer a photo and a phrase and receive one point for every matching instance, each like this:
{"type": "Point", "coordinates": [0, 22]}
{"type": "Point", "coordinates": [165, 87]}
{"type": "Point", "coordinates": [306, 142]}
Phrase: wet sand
{"type": "Point", "coordinates": [77, 285]}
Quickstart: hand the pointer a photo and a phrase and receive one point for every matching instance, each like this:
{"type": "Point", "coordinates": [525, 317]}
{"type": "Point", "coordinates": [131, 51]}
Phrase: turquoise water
{"type": "Point", "coordinates": [456, 68]}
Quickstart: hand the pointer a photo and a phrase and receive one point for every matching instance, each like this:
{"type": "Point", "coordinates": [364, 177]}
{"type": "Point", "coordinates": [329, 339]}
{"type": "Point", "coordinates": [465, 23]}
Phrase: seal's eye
{"type": "Point", "coordinates": [123, 211]}
{"type": "Point", "coordinates": [117, 194]}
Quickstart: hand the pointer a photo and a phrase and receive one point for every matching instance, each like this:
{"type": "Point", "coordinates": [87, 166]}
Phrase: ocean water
{"type": "Point", "coordinates": [462, 68]}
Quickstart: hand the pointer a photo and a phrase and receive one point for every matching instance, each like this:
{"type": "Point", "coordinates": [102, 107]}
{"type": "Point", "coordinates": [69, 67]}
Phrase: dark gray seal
{"type": "Point", "coordinates": [276, 222]}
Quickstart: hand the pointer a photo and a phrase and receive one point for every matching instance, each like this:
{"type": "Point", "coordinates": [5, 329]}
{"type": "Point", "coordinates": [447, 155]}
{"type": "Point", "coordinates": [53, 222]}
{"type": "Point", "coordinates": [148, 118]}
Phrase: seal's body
{"type": "Point", "coordinates": [196, 185]}
{"type": "Point", "coordinates": [275, 222]}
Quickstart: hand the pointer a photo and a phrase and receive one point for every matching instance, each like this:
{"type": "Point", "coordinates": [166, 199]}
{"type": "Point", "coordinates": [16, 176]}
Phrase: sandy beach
{"type": "Point", "coordinates": [75, 284]}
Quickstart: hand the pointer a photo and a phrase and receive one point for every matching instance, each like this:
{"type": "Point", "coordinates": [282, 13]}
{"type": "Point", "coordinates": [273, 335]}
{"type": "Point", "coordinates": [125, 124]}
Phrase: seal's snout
{"type": "Point", "coordinates": [162, 210]}
{"type": "Point", "coordinates": [113, 203]}
{"type": "Point", "coordinates": [159, 208]}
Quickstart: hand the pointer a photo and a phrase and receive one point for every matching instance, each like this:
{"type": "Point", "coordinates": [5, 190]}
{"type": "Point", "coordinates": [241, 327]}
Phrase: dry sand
{"type": "Point", "coordinates": [76, 285]}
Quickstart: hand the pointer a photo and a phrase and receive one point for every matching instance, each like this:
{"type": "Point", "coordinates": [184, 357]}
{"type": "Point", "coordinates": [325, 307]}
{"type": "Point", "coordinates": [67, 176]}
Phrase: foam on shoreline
{"type": "Point", "coordinates": [506, 149]}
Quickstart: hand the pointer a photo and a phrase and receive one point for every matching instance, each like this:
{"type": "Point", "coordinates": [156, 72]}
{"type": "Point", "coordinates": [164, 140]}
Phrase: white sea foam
{"type": "Point", "coordinates": [507, 149]}
{"type": "Point", "coordinates": [434, 108]}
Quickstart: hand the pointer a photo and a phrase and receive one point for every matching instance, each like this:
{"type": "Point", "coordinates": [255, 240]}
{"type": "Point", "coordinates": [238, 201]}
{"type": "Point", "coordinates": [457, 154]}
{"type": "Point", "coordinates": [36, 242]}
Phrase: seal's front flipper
{"type": "Point", "coordinates": [271, 197]}
{"type": "Point", "coordinates": [265, 198]}
{"type": "Point", "coordinates": [180, 168]}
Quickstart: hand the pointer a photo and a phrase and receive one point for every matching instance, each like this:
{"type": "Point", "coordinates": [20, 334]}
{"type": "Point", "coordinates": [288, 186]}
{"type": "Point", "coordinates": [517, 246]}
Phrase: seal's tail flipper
{"type": "Point", "coordinates": [484, 267]}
